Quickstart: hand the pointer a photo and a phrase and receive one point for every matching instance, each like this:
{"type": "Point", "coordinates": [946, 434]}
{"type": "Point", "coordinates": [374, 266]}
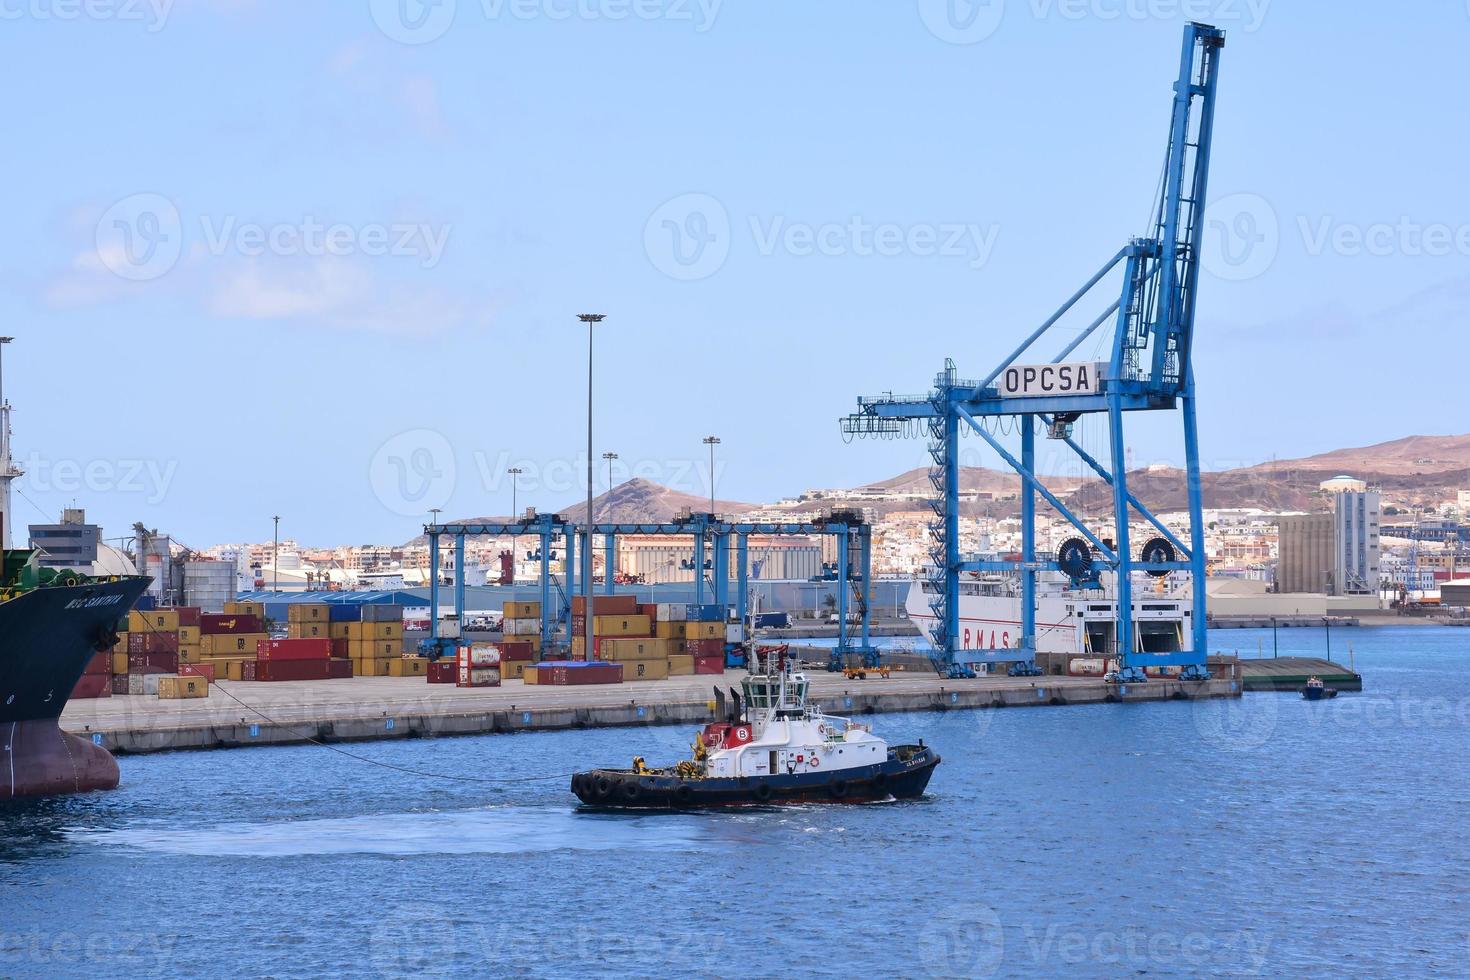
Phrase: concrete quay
{"type": "Point", "coordinates": [238, 714]}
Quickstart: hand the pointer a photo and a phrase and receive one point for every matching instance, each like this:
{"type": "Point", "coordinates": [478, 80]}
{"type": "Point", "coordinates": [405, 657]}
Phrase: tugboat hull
{"type": "Point", "coordinates": [905, 775]}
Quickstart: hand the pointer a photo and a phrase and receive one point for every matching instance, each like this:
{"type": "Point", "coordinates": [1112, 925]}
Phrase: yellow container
{"type": "Point", "coordinates": [633, 649]}
{"type": "Point", "coordinates": [527, 675]}
{"type": "Point", "coordinates": [645, 670]}
{"type": "Point", "coordinates": [372, 666]}
{"type": "Point", "coordinates": [703, 631]}
{"type": "Point", "coordinates": [188, 635]}
{"type": "Point", "coordinates": [680, 664]}
{"type": "Point", "coordinates": [374, 649]}
{"type": "Point", "coordinates": [371, 631]}
{"type": "Point", "coordinates": [177, 688]}
{"type": "Point", "coordinates": [231, 644]}
{"type": "Point", "coordinates": [514, 669]}
{"type": "Point", "coordinates": [120, 663]}
{"type": "Point", "coordinates": [309, 612]}
{"type": "Point", "coordinates": [521, 610]}
{"type": "Point", "coordinates": [622, 625]}
{"type": "Point", "coordinates": [341, 631]}
{"type": "Point", "coordinates": [245, 609]}
{"type": "Point", "coordinates": [308, 631]}
{"type": "Point", "coordinates": [153, 621]}
{"type": "Point", "coordinates": [669, 631]}
{"type": "Point", "coordinates": [408, 667]}
{"type": "Point", "coordinates": [189, 653]}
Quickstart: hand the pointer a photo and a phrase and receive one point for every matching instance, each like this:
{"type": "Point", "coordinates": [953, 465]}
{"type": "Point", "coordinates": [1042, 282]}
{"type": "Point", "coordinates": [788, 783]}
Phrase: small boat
{"type": "Point", "coordinates": [775, 747]}
{"type": "Point", "coordinates": [1318, 691]}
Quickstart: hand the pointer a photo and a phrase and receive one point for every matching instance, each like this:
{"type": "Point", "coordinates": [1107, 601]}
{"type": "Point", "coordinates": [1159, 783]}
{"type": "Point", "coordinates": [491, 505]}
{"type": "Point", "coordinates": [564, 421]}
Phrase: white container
{"type": "Point", "coordinates": [479, 655]}
{"type": "Point", "coordinates": [735, 633]}
{"type": "Point", "coordinates": [522, 627]}
{"type": "Point", "coordinates": [449, 627]}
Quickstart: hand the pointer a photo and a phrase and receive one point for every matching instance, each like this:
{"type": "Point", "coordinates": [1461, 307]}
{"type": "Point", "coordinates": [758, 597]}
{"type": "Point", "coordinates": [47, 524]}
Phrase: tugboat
{"type": "Point", "coordinates": [1317, 691]}
{"type": "Point", "coordinates": [773, 748]}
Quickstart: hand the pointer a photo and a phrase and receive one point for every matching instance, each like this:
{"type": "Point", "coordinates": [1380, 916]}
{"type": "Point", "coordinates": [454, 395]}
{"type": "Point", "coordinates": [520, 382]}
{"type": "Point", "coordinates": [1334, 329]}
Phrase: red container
{"type": "Point", "coordinates": [606, 605]}
{"type": "Point", "coordinates": [153, 663]}
{"type": "Point", "coordinates": [443, 671]}
{"type": "Point", "coordinates": [303, 649]}
{"type": "Point", "coordinates": [99, 666]}
{"type": "Point", "coordinates": [294, 670]}
{"type": "Point", "coordinates": [517, 650]}
{"type": "Point", "coordinates": [340, 650]}
{"type": "Point", "coordinates": [151, 642]}
{"type": "Point", "coordinates": [92, 686]}
{"type": "Point", "coordinates": [188, 615]}
{"type": "Point", "coordinates": [213, 624]}
{"type": "Point", "coordinates": [709, 665]}
{"type": "Point", "coordinates": [649, 609]}
{"type": "Point", "coordinates": [704, 648]}
{"type": "Point", "coordinates": [338, 669]}
{"type": "Point", "coordinates": [562, 674]}
{"type": "Point", "coordinates": [205, 671]}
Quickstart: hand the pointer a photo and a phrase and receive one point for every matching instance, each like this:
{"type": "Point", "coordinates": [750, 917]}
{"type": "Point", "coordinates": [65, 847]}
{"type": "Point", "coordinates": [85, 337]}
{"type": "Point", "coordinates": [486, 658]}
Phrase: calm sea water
{"type": "Point", "coordinates": [1265, 837]}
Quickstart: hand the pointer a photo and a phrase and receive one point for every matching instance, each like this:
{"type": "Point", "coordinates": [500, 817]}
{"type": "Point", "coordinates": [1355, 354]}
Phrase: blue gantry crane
{"type": "Point", "coordinates": [711, 536]}
{"type": "Point", "coordinates": [1148, 370]}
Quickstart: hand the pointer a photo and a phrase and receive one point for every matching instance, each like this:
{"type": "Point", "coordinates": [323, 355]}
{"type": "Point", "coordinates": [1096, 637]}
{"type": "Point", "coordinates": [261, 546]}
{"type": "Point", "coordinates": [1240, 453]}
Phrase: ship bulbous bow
{"type": "Point", "coordinates": [42, 760]}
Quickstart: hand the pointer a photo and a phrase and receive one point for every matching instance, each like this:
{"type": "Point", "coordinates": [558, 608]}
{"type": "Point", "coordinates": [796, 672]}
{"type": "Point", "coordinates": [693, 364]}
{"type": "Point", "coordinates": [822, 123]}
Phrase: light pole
{"type": "Point", "coordinates": [609, 457]}
{"type": "Point", "coordinates": [514, 472]}
{"type": "Point", "coordinates": [276, 557]}
{"type": "Point", "coordinates": [711, 442]}
{"type": "Point", "coordinates": [591, 319]}
{"type": "Point", "coordinates": [433, 570]}
{"type": "Point", "coordinates": [7, 471]}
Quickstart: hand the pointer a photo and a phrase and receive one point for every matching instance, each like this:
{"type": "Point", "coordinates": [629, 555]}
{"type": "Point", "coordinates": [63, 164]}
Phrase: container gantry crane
{"type": "Point", "coordinates": [1148, 370]}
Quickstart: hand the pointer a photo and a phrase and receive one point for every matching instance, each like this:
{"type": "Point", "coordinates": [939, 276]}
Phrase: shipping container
{"type": "Point", "coordinates": [308, 612]}
{"type": "Point", "coordinates": [479, 677]}
{"type": "Point", "coordinates": [681, 664]}
{"type": "Point", "coordinates": [606, 605]}
{"type": "Point", "coordinates": [230, 644]}
{"type": "Point", "coordinates": [182, 687]}
{"type": "Point", "coordinates": [620, 649]}
{"type": "Point", "coordinates": [373, 649]}
{"type": "Point", "coordinates": [211, 624]}
{"type": "Point", "coordinates": [205, 671]}
{"type": "Point", "coordinates": [295, 649]}
{"type": "Point", "coordinates": [384, 613]}
{"type": "Point", "coordinates": [153, 663]}
{"type": "Point", "coordinates": [521, 627]}
{"type": "Point", "coordinates": [709, 665]}
{"type": "Point", "coordinates": [408, 667]}
{"type": "Point", "coordinates": [645, 670]}
{"type": "Point", "coordinates": [695, 630]}
{"type": "Point", "coordinates": [189, 635]}
{"type": "Point", "coordinates": [671, 612]}
{"type": "Point", "coordinates": [153, 643]}
{"type": "Point", "coordinates": [144, 683]}
{"type": "Point", "coordinates": [479, 655]}
{"type": "Point", "coordinates": [188, 616]}
{"type": "Point", "coordinates": [561, 673]}
{"type": "Point", "coordinates": [190, 654]}
{"type": "Point", "coordinates": [309, 631]}
{"type": "Point", "coordinates": [301, 670]}
{"type": "Point", "coordinates": [704, 648]}
{"type": "Point", "coordinates": [514, 669]}
{"type": "Point", "coordinates": [344, 612]}
{"type": "Point", "coordinates": [521, 610]}
{"type": "Point", "coordinates": [443, 671]}
{"type": "Point", "coordinates": [161, 620]}
{"type": "Point", "coordinates": [369, 631]}
{"type": "Point", "coordinates": [629, 625]}
{"type": "Point", "coordinates": [256, 609]}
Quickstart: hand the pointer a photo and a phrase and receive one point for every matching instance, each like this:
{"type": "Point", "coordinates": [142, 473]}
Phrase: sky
{"type": "Point", "coordinates": [324, 260]}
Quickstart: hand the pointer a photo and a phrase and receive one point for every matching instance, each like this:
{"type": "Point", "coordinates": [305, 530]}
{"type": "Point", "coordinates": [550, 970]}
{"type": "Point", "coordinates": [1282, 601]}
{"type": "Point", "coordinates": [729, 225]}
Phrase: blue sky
{"type": "Point", "coordinates": [324, 260]}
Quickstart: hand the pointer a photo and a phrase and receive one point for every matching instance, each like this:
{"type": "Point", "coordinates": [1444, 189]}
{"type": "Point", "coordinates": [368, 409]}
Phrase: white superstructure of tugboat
{"type": "Point", "coordinates": [774, 747]}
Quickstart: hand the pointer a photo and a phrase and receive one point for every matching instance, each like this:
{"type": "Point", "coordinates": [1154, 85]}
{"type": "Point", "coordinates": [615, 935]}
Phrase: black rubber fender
{"type": "Point", "coordinates": [631, 791]}
{"type": "Point", "coordinates": [763, 792]}
{"type": "Point", "coordinates": [684, 795]}
{"type": "Point", "coordinates": [603, 787]}
{"type": "Point", "coordinates": [880, 781]}
{"type": "Point", "coordinates": [837, 788]}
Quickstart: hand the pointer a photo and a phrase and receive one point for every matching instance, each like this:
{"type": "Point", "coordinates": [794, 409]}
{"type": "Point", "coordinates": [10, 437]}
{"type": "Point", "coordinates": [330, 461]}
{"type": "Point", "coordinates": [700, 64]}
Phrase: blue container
{"type": "Point", "coordinates": [342, 612]}
{"type": "Point", "coordinates": [707, 613]}
{"type": "Point", "coordinates": [145, 603]}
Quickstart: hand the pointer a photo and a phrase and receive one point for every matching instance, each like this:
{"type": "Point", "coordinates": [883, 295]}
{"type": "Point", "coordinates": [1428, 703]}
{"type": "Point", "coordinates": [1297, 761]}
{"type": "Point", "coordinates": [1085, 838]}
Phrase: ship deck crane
{"type": "Point", "coordinates": [1149, 370]}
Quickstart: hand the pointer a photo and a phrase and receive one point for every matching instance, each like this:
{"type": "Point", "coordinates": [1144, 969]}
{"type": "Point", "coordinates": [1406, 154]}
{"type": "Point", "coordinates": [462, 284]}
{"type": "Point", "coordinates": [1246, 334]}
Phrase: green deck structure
{"type": "Point", "coordinates": [1291, 673]}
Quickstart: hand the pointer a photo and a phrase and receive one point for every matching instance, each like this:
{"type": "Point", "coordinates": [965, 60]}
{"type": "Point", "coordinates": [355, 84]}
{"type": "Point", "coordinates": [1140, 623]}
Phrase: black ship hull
{"type": "Point", "coordinates": [905, 775]}
{"type": "Point", "coordinates": [47, 638]}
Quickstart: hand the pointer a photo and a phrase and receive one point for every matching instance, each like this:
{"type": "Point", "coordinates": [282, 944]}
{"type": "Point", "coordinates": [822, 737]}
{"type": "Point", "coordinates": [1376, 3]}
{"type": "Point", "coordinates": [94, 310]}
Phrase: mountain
{"type": "Point", "coordinates": [1411, 455]}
